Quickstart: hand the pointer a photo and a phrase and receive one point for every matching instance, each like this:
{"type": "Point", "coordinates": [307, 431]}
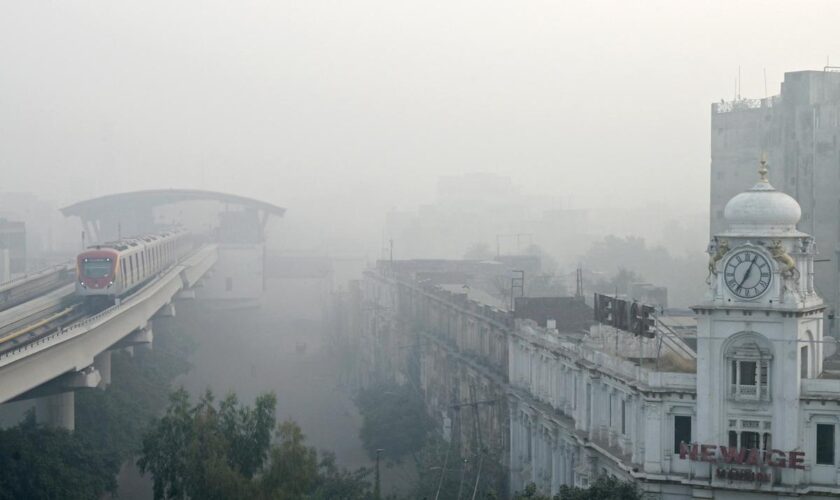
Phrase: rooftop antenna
{"type": "Point", "coordinates": [739, 82]}
{"type": "Point", "coordinates": [765, 83]}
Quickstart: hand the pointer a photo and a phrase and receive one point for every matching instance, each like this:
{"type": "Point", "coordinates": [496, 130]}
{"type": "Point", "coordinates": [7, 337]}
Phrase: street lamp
{"type": "Point", "coordinates": [376, 488]}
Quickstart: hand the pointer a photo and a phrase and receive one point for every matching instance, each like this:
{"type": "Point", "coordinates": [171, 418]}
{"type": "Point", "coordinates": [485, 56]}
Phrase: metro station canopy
{"type": "Point", "coordinates": [122, 214]}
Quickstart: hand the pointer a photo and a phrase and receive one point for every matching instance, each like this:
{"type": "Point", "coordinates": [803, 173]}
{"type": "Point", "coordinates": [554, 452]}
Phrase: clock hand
{"type": "Point", "coordinates": [747, 274]}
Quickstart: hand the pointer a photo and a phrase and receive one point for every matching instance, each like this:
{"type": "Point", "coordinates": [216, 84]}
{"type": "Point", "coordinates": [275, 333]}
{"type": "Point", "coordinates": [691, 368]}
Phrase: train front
{"type": "Point", "coordinates": [96, 272]}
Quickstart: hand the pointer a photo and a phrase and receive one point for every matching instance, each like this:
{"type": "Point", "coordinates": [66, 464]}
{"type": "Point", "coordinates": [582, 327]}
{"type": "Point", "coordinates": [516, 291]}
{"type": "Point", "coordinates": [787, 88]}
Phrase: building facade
{"type": "Point", "coordinates": [755, 417]}
{"type": "Point", "coordinates": [798, 130]}
{"type": "Point", "coordinates": [751, 413]}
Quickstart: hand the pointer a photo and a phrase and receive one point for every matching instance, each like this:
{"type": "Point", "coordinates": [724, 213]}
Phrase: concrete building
{"type": "Point", "coordinates": [798, 130]}
{"type": "Point", "coordinates": [751, 413]}
{"type": "Point", "coordinates": [12, 248]}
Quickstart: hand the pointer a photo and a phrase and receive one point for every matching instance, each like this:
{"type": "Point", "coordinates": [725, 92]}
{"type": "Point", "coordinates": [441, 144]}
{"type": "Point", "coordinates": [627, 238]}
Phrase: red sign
{"type": "Point", "coordinates": [742, 456]}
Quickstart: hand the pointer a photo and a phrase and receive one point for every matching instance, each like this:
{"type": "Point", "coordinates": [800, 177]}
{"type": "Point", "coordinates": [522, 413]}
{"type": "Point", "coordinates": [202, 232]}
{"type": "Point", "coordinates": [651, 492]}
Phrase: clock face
{"type": "Point", "coordinates": [747, 274]}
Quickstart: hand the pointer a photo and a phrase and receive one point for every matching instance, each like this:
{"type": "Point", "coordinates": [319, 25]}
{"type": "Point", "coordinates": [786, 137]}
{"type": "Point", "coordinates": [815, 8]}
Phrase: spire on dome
{"type": "Point", "coordinates": [762, 210]}
{"type": "Point", "coordinates": [762, 170]}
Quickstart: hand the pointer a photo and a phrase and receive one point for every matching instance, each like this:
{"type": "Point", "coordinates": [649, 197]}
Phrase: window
{"type": "Point", "coordinates": [749, 371]}
{"type": "Point", "coordinates": [825, 444]}
{"type": "Point", "coordinates": [749, 440]}
{"type": "Point", "coordinates": [97, 268]}
{"type": "Point", "coordinates": [748, 434]}
{"type": "Point", "coordinates": [623, 417]}
{"type": "Point", "coordinates": [803, 362]}
{"type": "Point", "coordinates": [528, 450]}
{"type": "Point", "coordinates": [682, 431]}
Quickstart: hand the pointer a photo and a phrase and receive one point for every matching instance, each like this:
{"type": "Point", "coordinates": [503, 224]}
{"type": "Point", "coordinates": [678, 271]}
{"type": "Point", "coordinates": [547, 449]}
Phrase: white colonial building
{"type": "Point", "coordinates": [749, 413]}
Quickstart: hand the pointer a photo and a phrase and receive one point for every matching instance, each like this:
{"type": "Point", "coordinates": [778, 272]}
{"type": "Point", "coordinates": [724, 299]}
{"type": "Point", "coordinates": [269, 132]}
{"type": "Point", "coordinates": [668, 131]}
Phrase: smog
{"type": "Point", "coordinates": [400, 250]}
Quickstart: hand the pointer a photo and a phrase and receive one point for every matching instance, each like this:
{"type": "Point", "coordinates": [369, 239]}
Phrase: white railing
{"type": "Point", "coordinates": [37, 274]}
{"type": "Point", "coordinates": [173, 272]}
{"type": "Point", "coordinates": [68, 332]}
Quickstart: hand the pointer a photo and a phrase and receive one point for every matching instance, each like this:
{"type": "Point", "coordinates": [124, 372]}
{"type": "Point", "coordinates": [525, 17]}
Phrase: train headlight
{"type": "Point", "coordinates": [110, 284]}
{"type": "Point", "coordinates": [83, 284]}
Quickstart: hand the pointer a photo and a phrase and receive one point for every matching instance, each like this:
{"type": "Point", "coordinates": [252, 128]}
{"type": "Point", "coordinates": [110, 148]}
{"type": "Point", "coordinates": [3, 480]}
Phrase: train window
{"type": "Point", "coordinates": [97, 268]}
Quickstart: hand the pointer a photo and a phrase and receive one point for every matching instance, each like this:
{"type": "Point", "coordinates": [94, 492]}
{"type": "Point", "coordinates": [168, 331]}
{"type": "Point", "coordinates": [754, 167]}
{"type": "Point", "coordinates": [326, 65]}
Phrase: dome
{"type": "Point", "coordinates": [762, 208]}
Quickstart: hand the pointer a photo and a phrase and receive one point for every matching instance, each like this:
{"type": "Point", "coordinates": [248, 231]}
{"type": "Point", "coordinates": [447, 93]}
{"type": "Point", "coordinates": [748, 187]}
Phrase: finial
{"type": "Point", "coordinates": [762, 170]}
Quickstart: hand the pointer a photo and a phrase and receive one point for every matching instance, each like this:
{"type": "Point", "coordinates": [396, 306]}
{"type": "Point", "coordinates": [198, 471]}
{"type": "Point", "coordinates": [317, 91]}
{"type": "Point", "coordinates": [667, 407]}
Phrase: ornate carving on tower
{"type": "Point", "coordinates": [718, 247]}
{"type": "Point", "coordinates": [781, 256]}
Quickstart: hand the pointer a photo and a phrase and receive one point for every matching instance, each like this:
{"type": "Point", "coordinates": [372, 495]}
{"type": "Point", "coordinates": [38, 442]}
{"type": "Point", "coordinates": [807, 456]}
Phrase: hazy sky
{"type": "Point", "coordinates": [366, 103]}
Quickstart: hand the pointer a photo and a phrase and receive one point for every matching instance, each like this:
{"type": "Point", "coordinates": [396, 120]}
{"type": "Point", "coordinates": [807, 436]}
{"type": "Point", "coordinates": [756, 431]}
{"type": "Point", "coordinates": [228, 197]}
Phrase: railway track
{"type": "Point", "coordinates": [40, 326]}
{"type": "Point", "coordinates": [21, 290]}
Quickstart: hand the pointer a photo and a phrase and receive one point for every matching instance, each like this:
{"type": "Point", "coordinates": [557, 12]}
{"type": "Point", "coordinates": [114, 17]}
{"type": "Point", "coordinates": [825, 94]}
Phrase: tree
{"type": "Point", "coordinates": [294, 467]}
{"type": "Point", "coordinates": [224, 451]}
{"type": "Point", "coordinates": [394, 420]}
{"type": "Point", "coordinates": [39, 462]}
{"type": "Point", "coordinates": [205, 451]}
{"type": "Point", "coordinates": [603, 488]}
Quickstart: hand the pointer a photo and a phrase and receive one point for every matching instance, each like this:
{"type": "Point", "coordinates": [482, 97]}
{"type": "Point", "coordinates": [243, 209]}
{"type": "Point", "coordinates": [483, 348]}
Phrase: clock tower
{"type": "Point", "coordinates": [759, 331]}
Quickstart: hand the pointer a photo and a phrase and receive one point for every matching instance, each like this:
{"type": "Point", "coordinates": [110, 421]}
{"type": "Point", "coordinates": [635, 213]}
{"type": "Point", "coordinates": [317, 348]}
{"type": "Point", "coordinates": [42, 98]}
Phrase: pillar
{"type": "Point", "coordinates": [652, 438]}
{"type": "Point", "coordinates": [102, 363]}
{"type": "Point", "coordinates": [57, 410]}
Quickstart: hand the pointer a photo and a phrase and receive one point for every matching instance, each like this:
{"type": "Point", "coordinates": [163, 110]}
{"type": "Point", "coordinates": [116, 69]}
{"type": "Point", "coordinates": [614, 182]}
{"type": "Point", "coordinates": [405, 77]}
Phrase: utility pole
{"type": "Point", "coordinates": [377, 495]}
{"type": "Point", "coordinates": [463, 473]}
{"type": "Point", "coordinates": [517, 282]}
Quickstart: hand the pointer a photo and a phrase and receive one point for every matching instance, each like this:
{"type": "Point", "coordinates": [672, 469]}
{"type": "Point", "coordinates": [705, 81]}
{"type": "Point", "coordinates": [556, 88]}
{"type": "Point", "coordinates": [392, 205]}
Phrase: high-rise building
{"type": "Point", "coordinates": [798, 131]}
{"type": "Point", "coordinates": [13, 247]}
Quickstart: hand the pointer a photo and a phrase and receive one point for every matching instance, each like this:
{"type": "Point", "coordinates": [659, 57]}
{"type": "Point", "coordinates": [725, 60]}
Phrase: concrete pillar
{"type": "Point", "coordinates": [556, 469]}
{"type": "Point", "coordinates": [652, 439]}
{"type": "Point", "coordinates": [57, 410]}
{"type": "Point", "coordinates": [168, 311]}
{"type": "Point", "coordinates": [102, 363]}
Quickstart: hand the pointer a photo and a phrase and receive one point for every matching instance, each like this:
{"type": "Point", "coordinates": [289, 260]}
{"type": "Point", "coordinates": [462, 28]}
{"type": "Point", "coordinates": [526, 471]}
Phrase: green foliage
{"type": "Point", "coordinates": [53, 463]}
{"type": "Point", "coordinates": [604, 488]}
{"type": "Point", "coordinates": [205, 451]}
{"type": "Point", "coordinates": [394, 420]}
{"type": "Point", "coordinates": [116, 418]}
{"type": "Point", "coordinates": [224, 451]}
{"type": "Point", "coordinates": [442, 471]}
{"type": "Point", "coordinates": [439, 467]}
{"type": "Point", "coordinates": [340, 484]}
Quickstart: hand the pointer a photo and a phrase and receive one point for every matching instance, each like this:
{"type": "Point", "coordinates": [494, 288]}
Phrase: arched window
{"type": "Point", "coordinates": [749, 360]}
{"type": "Point", "coordinates": [806, 354]}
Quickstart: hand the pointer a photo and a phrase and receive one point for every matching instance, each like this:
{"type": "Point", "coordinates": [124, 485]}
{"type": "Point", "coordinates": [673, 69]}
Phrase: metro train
{"type": "Point", "coordinates": [110, 270]}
